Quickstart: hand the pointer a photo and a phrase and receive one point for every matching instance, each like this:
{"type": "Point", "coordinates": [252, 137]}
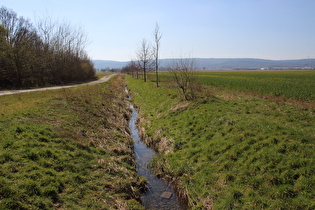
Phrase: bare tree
{"type": "Point", "coordinates": [131, 68]}
{"type": "Point", "coordinates": [183, 73]}
{"type": "Point", "coordinates": [156, 51]}
{"type": "Point", "coordinates": [144, 56]}
{"type": "Point", "coordinates": [52, 53]}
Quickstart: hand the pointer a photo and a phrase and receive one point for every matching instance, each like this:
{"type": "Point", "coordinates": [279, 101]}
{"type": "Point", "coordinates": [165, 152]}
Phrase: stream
{"type": "Point", "coordinates": [160, 194]}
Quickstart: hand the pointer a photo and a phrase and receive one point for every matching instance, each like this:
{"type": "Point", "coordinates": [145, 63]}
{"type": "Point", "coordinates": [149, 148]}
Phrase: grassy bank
{"type": "Point", "coordinates": [67, 149]}
{"type": "Point", "coordinates": [231, 150]}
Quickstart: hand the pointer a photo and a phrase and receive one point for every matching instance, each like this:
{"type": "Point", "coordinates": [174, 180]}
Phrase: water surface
{"type": "Point", "coordinates": [157, 195]}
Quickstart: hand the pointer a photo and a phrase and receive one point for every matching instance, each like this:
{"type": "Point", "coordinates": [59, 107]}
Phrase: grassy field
{"type": "Point", "coordinates": [297, 85]}
{"type": "Point", "coordinates": [232, 150]}
{"type": "Point", "coordinates": [102, 73]}
{"type": "Point", "coordinates": [67, 149]}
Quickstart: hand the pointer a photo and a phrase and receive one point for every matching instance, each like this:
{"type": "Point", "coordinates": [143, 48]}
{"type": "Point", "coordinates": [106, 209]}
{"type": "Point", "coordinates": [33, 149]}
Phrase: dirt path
{"type": "Point", "coordinates": [103, 79]}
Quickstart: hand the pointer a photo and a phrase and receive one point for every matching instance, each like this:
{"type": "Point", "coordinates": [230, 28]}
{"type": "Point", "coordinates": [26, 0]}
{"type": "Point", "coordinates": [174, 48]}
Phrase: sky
{"type": "Point", "coordinates": [266, 29]}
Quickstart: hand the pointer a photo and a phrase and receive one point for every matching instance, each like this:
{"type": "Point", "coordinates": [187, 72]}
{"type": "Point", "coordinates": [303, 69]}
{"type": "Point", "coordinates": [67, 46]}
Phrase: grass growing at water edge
{"type": "Point", "coordinates": [231, 150]}
{"type": "Point", "coordinates": [67, 149]}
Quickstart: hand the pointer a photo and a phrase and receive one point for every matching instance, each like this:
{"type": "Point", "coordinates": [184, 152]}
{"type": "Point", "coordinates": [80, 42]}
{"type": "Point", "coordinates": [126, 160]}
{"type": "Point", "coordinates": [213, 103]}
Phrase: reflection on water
{"type": "Point", "coordinates": [160, 194]}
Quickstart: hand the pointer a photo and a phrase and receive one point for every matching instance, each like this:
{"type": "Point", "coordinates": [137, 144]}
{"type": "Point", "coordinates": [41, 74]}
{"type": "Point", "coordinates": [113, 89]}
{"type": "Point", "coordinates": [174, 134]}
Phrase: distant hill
{"type": "Point", "coordinates": [223, 63]}
{"type": "Point", "coordinates": [251, 63]}
{"type": "Point", "coordinates": [108, 64]}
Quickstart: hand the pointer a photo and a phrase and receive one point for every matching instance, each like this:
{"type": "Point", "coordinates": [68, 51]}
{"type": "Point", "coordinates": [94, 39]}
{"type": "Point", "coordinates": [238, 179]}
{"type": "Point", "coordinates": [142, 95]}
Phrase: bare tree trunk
{"type": "Point", "coordinates": [144, 57]}
{"type": "Point", "coordinates": [157, 40]}
{"type": "Point", "coordinates": [144, 72]}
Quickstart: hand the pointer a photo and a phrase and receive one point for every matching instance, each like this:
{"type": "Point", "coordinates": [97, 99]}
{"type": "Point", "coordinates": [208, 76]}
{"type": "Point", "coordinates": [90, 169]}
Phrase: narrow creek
{"type": "Point", "coordinates": [160, 194]}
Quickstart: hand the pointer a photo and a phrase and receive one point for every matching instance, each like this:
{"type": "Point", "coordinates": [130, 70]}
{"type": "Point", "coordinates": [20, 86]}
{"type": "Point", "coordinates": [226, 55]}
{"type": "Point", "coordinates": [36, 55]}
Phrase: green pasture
{"type": "Point", "coordinates": [229, 149]}
{"type": "Point", "coordinates": [298, 85]}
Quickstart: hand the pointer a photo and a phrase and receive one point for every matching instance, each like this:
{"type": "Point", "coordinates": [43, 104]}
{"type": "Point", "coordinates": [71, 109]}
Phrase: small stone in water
{"type": "Point", "coordinates": [167, 195]}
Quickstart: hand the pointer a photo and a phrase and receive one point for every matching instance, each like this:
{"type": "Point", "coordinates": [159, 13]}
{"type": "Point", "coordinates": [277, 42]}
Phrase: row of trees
{"type": "Point", "coordinates": [148, 59]}
{"type": "Point", "coordinates": [48, 54]}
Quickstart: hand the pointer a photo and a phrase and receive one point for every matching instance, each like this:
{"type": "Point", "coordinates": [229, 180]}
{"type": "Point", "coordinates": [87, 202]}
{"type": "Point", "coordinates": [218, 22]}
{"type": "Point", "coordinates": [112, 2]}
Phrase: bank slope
{"type": "Point", "coordinates": [67, 149]}
{"type": "Point", "coordinates": [229, 150]}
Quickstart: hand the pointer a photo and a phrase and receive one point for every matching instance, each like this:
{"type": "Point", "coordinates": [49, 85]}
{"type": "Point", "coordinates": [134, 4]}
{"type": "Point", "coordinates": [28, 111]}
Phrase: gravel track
{"type": "Point", "coordinates": [101, 80]}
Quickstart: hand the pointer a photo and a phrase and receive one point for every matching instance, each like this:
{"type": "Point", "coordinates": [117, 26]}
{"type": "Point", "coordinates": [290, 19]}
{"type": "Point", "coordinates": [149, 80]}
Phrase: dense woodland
{"type": "Point", "coordinates": [49, 53]}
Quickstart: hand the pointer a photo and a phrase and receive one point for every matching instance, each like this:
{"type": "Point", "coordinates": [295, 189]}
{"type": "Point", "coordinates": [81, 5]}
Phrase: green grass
{"type": "Point", "coordinates": [67, 149]}
{"type": "Point", "coordinates": [229, 150]}
{"type": "Point", "coordinates": [298, 85]}
{"type": "Point", "coordinates": [102, 73]}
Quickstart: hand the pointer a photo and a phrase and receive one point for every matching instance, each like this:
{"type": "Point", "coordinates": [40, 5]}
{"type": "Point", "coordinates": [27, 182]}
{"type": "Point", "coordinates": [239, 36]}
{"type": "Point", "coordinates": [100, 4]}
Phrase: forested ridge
{"type": "Point", "coordinates": [50, 53]}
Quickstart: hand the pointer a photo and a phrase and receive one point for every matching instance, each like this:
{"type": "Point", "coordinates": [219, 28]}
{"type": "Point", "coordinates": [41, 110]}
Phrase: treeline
{"type": "Point", "coordinates": [49, 53]}
{"type": "Point", "coordinates": [182, 69]}
{"type": "Point", "coordinates": [148, 58]}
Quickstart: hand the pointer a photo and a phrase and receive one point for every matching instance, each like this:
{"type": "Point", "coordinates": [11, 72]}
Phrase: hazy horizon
{"type": "Point", "coordinates": [276, 30]}
{"type": "Point", "coordinates": [208, 58]}
{"type": "Point", "coordinates": [222, 63]}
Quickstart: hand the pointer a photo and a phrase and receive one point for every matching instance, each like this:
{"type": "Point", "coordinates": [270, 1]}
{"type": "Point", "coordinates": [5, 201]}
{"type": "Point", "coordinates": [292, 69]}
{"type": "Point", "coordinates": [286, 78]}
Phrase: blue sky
{"type": "Point", "coordinates": [268, 29]}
